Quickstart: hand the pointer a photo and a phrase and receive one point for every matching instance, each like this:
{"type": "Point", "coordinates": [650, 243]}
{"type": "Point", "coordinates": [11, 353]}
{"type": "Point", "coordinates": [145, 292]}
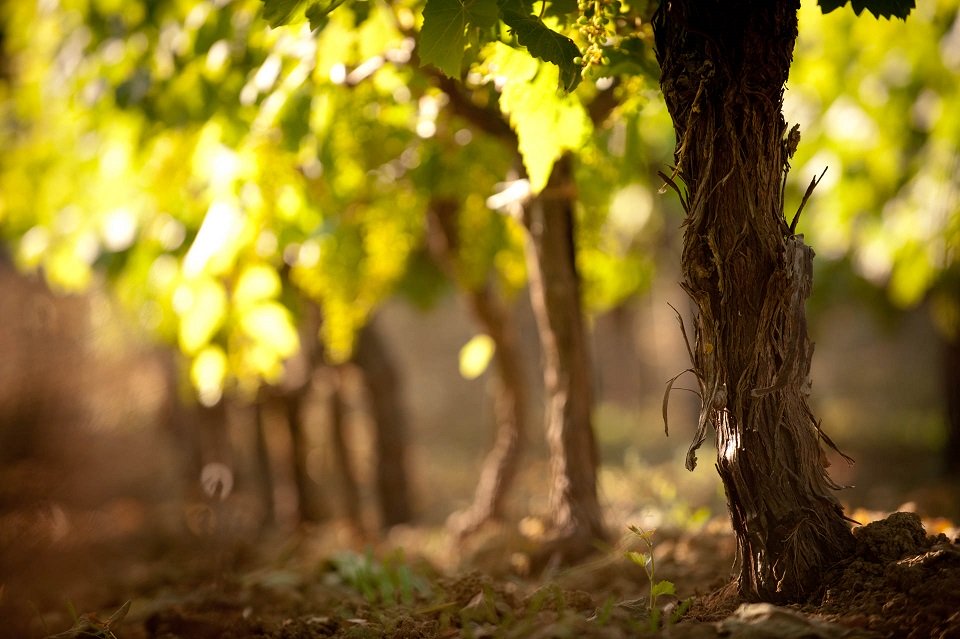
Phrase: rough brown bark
{"type": "Point", "coordinates": [723, 68]}
{"type": "Point", "coordinates": [555, 296]}
{"type": "Point", "coordinates": [510, 393]}
{"type": "Point", "coordinates": [390, 437]}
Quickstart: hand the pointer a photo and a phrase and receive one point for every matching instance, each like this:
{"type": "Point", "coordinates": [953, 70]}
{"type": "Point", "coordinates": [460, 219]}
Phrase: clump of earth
{"type": "Point", "coordinates": [900, 583]}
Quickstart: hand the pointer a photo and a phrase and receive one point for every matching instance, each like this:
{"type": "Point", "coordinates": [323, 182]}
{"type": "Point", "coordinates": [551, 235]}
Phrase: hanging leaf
{"type": "Point", "coordinates": [543, 42]}
{"type": "Point", "coordinates": [443, 36]}
{"type": "Point", "coordinates": [280, 12]}
{"type": "Point", "coordinates": [879, 8]}
{"type": "Point", "coordinates": [547, 123]}
{"type": "Point", "coordinates": [317, 12]}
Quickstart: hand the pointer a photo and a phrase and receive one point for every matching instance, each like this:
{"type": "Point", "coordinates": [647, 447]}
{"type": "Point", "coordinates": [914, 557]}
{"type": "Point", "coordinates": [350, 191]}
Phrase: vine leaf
{"type": "Point", "coordinates": [548, 123]}
{"type": "Point", "coordinates": [281, 12]}
{"type": "Point", "coordinates": [317, 12]}
{"type": "Point", "coordinates": [879, 8]}
{"type": "Point", "coordinates": [543, 42]}
{"type": "Point", "coordinates": [443, 35]}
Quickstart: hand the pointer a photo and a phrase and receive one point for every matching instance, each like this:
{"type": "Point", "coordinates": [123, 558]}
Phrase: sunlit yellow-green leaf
{"type": "Point", "coordinates": [475, 356]}
{"type": "Point", "coordinates": [911, 276]}
{"type": "Point", "coordinates": [201, 305]}
{"type": "Point", "coordinates": [256, 283]}
{"type": "Point", "coordinates": [547, 122]}
{"type": "Point", "coordinates": [67, 270]}
{"type": "Point", "coordinates": [342, 320]}
{"type": "Point", "coordinates": [208, 373]}
{"type": "Point", "coordinates": [271, 325]}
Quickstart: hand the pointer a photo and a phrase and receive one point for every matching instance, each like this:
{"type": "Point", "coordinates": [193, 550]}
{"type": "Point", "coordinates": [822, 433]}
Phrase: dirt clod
{"type": "Point", "coordinates": [900, 582]}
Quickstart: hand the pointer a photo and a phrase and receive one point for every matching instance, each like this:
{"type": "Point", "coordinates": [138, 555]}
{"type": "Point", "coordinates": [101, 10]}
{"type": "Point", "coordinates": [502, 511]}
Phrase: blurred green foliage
{"type": "Point", "coordinates": [216, 172]}
{"type": "Point", "coordinates": [879, 104]}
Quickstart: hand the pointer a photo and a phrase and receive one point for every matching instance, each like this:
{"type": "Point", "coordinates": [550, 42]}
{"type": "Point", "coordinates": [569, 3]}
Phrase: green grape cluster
{"type": "Point", "coordinates": [597, 26]}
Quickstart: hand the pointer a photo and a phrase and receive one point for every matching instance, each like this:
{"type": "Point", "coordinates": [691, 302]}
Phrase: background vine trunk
{"type": "Point", "coordinates": [382, 384]}
{"type": "Point", "coordinates": [723, 68]}
{"type": "Point", "coordinates": [555, 296]}
{"type": "Point", "coordinates": [951, 387]}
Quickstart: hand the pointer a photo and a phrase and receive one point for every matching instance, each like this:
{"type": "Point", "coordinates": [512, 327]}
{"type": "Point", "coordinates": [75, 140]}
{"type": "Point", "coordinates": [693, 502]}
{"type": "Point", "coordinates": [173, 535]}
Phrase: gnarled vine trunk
{"type": "Point", "coordinates": [555, 296]}
{"type": "Point", "coordinates": [723, 68]}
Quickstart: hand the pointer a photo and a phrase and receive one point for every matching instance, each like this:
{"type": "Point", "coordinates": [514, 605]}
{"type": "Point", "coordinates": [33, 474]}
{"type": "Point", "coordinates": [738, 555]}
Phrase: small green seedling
{"type": "Point", "coordinates": [648, 563]}
{"type": "Point", "coordinates": [657, 588]}
{"type": "Point", "coordinates": [389, 581]}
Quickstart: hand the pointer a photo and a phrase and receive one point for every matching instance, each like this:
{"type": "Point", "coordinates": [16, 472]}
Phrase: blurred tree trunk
{"type": "Point", "coordinates": [510, 392]}
{"type": "Point", "coordinates": [262, 467]}
{"type": "Point", "coordinates": [951, 367]}
{"type": "Point", "coordinates": [292, 395]}
{"type": "Point", "coordinates": [212, 439]}
{"type": "Point", "coordinates": [723, 68]}
{"type": "Point", "coordinates": [555, 295]}
{"type": "Point", "coordinates": [349, 487]}
{"type": "Point", "coordinates": [310, 507]}
{"type": "Point", "coordinates": [390, 439]}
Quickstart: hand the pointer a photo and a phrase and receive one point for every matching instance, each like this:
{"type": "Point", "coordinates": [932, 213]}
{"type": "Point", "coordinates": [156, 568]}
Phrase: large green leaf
{"type": "Point", "coordinates": [543, 42]}
{"type": "Point", "coordinates": [548, 122]}
{"type": "Point", "coordinates": [879, 8]}
{"type": "Point", "coordinates": [443, 35]}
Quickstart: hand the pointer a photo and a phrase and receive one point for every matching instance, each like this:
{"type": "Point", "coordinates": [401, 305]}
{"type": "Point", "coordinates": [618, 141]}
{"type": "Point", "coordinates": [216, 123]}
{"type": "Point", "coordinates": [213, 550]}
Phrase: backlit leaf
{"type": "Point", "coordinates": [201, 305]}
{"type": "Point", "coordinates": [475, 356]}
{"type": "Point", "coordinates": [271, 325]}
{"type": "Point", "coordinates": [208, 372]}
{"type": "Point", "coordinates": [255, 284]}
{"type": "Point", "coordinates": [279, 12]}
{"type": "Point", "coordinates": [443, 36]}
{"type": "Point", "coordinates": [547, 122]}
{"type": "Point", "coordinates": [317, 12]}
{"type": "Point", "coordinates": [543, 42]}
{"type": "Point", "coordinates": [879, 8]}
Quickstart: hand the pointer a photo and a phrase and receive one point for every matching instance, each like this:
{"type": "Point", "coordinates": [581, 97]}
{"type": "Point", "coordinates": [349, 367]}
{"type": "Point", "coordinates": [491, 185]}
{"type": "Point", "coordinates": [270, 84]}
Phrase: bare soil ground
{"type": "Point", "coordinates": [901, 582]}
